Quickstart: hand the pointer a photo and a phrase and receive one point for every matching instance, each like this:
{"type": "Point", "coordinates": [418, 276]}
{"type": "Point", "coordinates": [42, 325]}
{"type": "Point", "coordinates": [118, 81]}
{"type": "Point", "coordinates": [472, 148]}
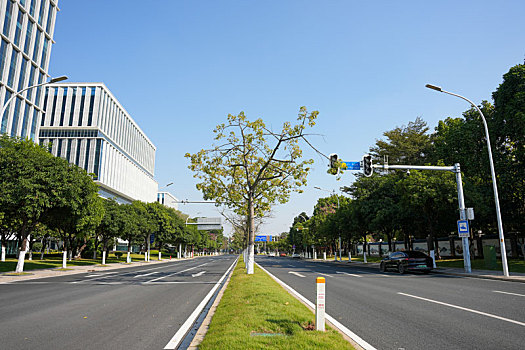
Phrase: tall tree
{"type": "Point", "coordinates": [252, 167]}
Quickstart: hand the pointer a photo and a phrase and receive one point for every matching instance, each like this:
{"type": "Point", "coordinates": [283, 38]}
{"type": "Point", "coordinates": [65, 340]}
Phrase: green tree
{"type": "Point", "coordinates": [252, 167]}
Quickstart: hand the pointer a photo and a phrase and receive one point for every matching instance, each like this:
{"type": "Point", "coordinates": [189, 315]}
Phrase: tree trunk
{"type": "Point", "coordinates": [160, 248]}
{"type": "Point", "coordinates": [251, 237]}
{"type": "Point", "coordinates": [3, 239]}
{"type": "Point", "coordinates": [21, 256]}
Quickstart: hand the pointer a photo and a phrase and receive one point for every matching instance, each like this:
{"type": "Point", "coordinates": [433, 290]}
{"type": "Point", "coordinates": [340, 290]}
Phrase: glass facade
{"type": "Point", "coordinates": [64, 133]}
{"type": "Point", "coordinates": [72, 111]}
{"type": "Point", "coordinates": [82, 102]}
{"type": "Point", "coordinates": [12, 68]}
{"type": "Point", "coordinates": [63, 110]}
{"type": "Point", "coordinates": [18, 28]}
{"type": "Point", "coordinates": [34, 124]}
{"type": "Point", "coordinates": [29, 33]}
{"type": "Point", "coordinates": [91, 105]}
{"type": "Point", "coordinates": [3, 56]}
{"type": "Point", "coordinates": [25, 121]}
{"type": "Point", "coordinates": [16, 119]}
{"type": "Point", "coordinates": [8, 15]}
{"type": "Point", "coordinates": [22, 74]}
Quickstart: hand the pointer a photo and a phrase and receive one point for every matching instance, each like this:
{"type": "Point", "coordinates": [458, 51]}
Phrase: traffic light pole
{"type": "Point", "coordinates": [461, 201]}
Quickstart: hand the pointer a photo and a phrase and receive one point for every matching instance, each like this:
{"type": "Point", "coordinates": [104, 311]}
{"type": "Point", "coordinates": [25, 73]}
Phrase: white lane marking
{"type": "Point", "coordinates": [323, 274]}
{"type": "Point", "coordinates": [499, 291]}
{"type": "Point", "coordinates": [296, 273]}
{"type": "Point", "coordinates": [176, 273]}
{"type": "Point", "coordinates": [146, 274]}
{"type": "Point", "coordinates": [349, 274]}
{"type": "Point", "coordinates": [121, 273]}
{"type": "Point", "coordinates": [336, 323]}
{"type": "Point", "coordinates": [178, 282]}
{"type": "Point", "coordinates": [198, 274]}
{"type": "Point", "coordinates": [174, 342]}
{"type": "Point", "coordinates": [465, 309]}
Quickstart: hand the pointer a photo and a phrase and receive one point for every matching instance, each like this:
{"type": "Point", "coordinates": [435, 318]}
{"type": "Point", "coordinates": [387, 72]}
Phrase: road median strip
{"type": "Point", "coordinates": [255, 313]}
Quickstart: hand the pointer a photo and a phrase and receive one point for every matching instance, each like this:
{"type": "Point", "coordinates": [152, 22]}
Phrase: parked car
{"type": "Point", "coordinates": [271, 254]}
{"type": "Point", "coordinates": [295, 255]}
{"type": "Point", "coordinates": [283, 254]}
{"type": "Point", "coordinates": [407, 261]}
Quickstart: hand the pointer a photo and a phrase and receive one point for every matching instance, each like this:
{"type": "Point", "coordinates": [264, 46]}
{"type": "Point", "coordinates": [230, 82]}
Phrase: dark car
{"type": "Point", "coordinates": [407, 261]}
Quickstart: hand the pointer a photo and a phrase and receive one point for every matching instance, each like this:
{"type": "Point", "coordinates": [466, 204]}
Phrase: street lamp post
{"type": "Point", "coordinates": [493, 174]}
{"type": "Point", "coordinates": [336, 196]}
{"type": "Point", "coordinates": [53, 80]}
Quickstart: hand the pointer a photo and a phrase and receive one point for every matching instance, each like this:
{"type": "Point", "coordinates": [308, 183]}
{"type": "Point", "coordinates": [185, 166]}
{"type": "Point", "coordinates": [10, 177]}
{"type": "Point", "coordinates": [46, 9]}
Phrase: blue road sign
{"type": "Point", "coordinates": [463, 228]}
{"type": "Point", "coordinates": [260, 238]}
{"type": "Point", "coordinates": [352, 165]}
{"type": "Point", "coordinates": [151, 238]}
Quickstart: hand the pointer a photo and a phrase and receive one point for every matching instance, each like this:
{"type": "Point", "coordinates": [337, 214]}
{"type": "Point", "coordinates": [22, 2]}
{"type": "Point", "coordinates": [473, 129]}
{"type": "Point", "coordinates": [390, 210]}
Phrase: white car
{"type": "Point", "coordinates": [271, 254]}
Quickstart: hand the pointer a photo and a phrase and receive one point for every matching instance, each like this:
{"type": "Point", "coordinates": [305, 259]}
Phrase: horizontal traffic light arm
{"type": "Point", "coordinates": [453, 169]}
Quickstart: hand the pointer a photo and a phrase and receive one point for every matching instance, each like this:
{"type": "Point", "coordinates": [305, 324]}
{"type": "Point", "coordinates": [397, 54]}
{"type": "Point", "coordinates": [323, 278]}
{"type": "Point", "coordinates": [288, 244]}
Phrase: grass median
{"type": "Point", "coordinates": [256, 313]}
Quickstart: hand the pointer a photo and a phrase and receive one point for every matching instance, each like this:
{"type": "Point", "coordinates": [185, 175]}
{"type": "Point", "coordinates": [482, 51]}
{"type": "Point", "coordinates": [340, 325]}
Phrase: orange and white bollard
{"type": "Point", "coordinates": [320, 304]}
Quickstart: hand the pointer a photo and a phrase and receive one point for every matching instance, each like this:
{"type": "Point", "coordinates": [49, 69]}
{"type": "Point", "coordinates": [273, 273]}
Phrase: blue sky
{"type": "Point", "coordinates": [179, 68]}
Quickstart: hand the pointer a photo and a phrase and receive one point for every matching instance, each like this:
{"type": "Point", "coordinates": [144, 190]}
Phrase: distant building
{"type": "Point", "coordinates": [27, 28]}
{"type": "Point", "coordinates": [168, 200]}
{"type": "Point", "coordinates": [87, 126]}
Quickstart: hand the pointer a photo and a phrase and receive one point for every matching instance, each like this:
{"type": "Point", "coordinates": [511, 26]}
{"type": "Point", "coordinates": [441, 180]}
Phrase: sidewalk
{"type": "Point", "coordinates": [5, 277]}
{"type": "Point", "coordinates": [486, 274]}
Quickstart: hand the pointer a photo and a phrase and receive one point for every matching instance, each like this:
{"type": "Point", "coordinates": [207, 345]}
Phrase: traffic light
{"type": "Point", "coordinates": [367, 165]}
{"type": "Point", "coordinates": [334, 164]}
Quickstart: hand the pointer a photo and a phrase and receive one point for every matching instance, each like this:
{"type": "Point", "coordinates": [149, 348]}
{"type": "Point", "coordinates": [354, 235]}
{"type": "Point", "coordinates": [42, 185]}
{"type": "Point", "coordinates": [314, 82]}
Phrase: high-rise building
{"type": "Point", "coordinates": [27, 28]}
{"type": "Point", "coordinates": [87, 126]}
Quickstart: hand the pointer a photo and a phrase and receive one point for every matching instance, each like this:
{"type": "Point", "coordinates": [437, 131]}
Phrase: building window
{"type": "Point", "coordinates": [91, 104]}
{"type": "Point", "coordinates": [82, 102]}
{"type": "Point", "coordinates": [38, 34]}
{"type": "Point", "coordinates": [18, 28]}
{"type": "Point", "coordinates": [38, 89]}
{"type": "Point", "coordinates": [72, 111]}
{"type": "Point", "coordinates": [86, 161]}
{"type": "Point", "coordinates": [42, 9]}
{"type": "Point", "coordinates": [3, 128]}
{"type": "Point", "coordinates": [59, 148]}
{"type": "Point", "coordinates": [12, 68]}
{"type": "Point", "coordinates": [23, 134]}
{"type": "Point", "coordinates": [45, 106]}
{"type": "Point", "coordinates": [29, 33]}
{"type": "Point", "coordinates": [32, 5]}
{"type": "Point", "coordinates": [34, 123]}
{"type": "Point", "coordinates": [43, 60]}
{"type": "Point", "coordinates": [96, 165]}
{"type": "Point", "coordinates": [22, 74]}
{"type": "Point", "coordinates": [77, 159]}
{"type": "Point", "coordinates": [68, 149]}
{"type": "Point", "coordinates": [30, 82]}
{"type": "Point", "coordinates": [50, 18]}
{"type": "Point", "coordinates": [3, 55]}
{"type": "Point", "coordinates": [16, 117]}
{"type": "Point", "coordinates": [63, 111]}
{"type": "Point", "coordinates": [8, 15]}
{"type": "Point", "coordinates": [52, 114]}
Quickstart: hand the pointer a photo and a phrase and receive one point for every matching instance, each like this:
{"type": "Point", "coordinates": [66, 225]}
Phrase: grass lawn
{"type": "Point", "coordinates": [479, 264]}
{"type": "Point", "coordinates": [253, 305]}
{"type": "Point", "coordinates": [55, 260]}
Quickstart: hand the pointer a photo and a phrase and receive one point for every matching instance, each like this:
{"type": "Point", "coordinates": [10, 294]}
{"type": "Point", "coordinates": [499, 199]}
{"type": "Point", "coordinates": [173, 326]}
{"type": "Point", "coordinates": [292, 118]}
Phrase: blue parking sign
{"type": "Point", "coordinates": [463, 229]}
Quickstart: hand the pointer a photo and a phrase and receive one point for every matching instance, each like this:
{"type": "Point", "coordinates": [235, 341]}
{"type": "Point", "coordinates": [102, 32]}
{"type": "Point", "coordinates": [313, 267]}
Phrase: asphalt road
{"type": "Point", "coordinates": [132, 308]}
{"type": "Point", "coordinates": [412, 311]}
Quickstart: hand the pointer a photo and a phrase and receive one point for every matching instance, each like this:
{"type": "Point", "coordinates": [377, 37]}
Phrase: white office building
{"type": "Point", "coordinates": [87, 126]}
{"type": "Point", "coordinates": [27, 28]}
{"type": "Point", "coordinates": [168, 200]}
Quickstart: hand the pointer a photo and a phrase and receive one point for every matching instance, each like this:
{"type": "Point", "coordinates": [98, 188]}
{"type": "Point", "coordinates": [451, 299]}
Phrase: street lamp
{"type": "Point", "coordinates": [493, 174]}
{"type": "Point", "coordinates": [336, 196]}
{"type": "Point", "coordinates": [52, 81]}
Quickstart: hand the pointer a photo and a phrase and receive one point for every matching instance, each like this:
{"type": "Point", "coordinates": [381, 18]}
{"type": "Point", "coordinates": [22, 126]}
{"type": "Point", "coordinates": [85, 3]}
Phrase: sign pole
{"type": "Point", "coordinates": [462, 216]}
{"type": "Point", "coordinates": [320, 305]}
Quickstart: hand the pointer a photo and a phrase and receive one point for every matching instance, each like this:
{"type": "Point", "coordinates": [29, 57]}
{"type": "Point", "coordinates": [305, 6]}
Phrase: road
{"type": "Point", "coordinates": [132, 308]}
{"type": "Point", "coordinates": [412, 311]}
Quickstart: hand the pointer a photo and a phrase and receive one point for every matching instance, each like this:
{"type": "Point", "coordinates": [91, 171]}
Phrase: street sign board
{"type": "Point", "coordinates": [151, 238]}
{"type": "Point", "coordinates": [351, 165]}
{"type": "Point", "coordinates": [463, 228]}
{"type": "Point", "coordinates": [260, 238]}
